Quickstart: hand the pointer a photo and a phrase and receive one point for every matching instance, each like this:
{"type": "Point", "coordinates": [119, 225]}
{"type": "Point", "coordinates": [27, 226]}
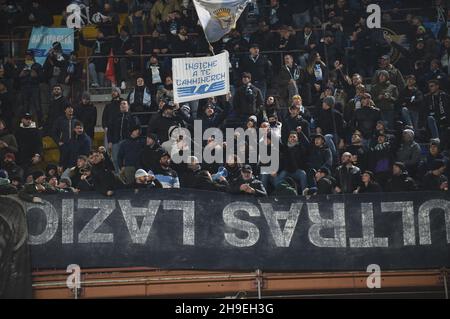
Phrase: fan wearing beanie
{"type": "Point", "coordinates": [145, 180]}
{"type": "Point", "coordinates": [400, 181]}
{"type": "Point", "coordinates": [409, 152]}
{"type": "Point", "coordinates": [330, 123]}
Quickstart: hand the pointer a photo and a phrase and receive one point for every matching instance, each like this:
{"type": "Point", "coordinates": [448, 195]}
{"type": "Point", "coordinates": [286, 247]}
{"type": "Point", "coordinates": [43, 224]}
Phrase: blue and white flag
{"type": "Point", "coordinates": [199, 78]}
{"type": "Point", "coordinates": [42, 38]}
{"type": "Point", "coordinates": [218, 17]}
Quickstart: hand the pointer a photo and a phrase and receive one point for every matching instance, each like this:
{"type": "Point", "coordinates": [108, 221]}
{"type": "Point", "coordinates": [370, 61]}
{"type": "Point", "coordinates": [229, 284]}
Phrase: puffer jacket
{"type": "Point", "coordinates": [388, 89]}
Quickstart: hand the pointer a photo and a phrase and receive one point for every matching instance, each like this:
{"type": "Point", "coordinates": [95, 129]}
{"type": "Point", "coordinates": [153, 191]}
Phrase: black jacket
{"type": "Point", "coordinates": [120, 46]}
{"type": "Point", "coordinates": [63, 129]}
{"type": "Point", "coordinates": [254, 183]}
{"type": "Point", "coordinates": [324, 186]}
{"type": "Point", "coordinates": [365, 120]}
{"type": "Point", "coordinates": [160, 125]}
{"type": "Point", "coordinates": [111, 111]}
{"type": "Point", "coordinates": [87, 114]}
{"type": "Point", "coordinates": [411, 99]}
{"type": "Point", "coordinates": [372, 187]}
{"type": "Point", "coordinates": [294, 157]}
{"type": "Point", "coordinates": [432, 182]}
{"type": "Point", "coordinates": [100, 50]}
{"type": "Point", "coordinates": [29, 141]}
{"type": "Point", "coordinates": [25, 79]}
{"type": "Point", "coordinates": [77, 145]}
{"type": "Point", "coordinates": [438, 106]}
{"type": "Point", "coordinates": [320, 157]}
{"type": "Point", "coordinates": [401, 183]}
{"type": "Point", "coordinates": [54, 65]}
{"type": "Point", "coordinates": [130, 151]}
{"type": "Point", "coordinates": [150, 156]}
{"type": "Point", "coordinates": [330, 121]}
{"type": "Point", "coordinates": [291, 124]}
{"type": "Point", "coordinates": [362, 154]}
{"type": "Point", "coordinates": [348, 179]}
{"type": "Point", "coordinates": [248, 100]}
{"type": "Point", "coordinates": [260, 67]}
{"type": "Point", "coordinates": [103, 178]}
{"type": "Point", "coordinates": [119, 127]}
{"type": "Point", "coordinates": [204, 183]}
{"type": "Point", "coordinates": [55, 110]}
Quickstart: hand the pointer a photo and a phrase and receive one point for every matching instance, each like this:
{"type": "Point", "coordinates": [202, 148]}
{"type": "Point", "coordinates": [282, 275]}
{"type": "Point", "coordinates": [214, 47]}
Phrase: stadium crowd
{"type": "Point", "coordinates": [350, 120]}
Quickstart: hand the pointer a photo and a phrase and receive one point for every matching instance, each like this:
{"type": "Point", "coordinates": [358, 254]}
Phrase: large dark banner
{"type": "Point", "coordinates": [187, 229]}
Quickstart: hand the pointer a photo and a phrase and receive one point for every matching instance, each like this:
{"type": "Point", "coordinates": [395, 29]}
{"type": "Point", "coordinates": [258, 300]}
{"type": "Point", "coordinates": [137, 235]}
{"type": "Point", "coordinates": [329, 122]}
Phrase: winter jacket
{"type": "Point", "coordinates": [395, 77]}
{"type": "Point", "coordinates": [285, 76]}
{"type": "Point", "coordinates": [361, 152]}
{"type": "Point", "coordinates": [27, 81]}
{"type": "Point", "coordinates": [140, 99]}
{"type": "Point", "coordinates": [291, 123]}
{"type": "Point", "coordinates": [427, 164]}
{"type": "Point", "coordinates": [260, 191]}
{"type": "Point", "coordinates": [294, 158]}
{"type": "Point", "coordinates": [87, 114]}
{"type": "Point", "coordinates": [438, 106]}
{"type": "Point", "coordinates": [129, 152]}
{"type": "Point", "coordinates": [119, 127]}
{"type": "Point", "coordinates": [259, 67]}
{"type": "Point", "coordinates": [110, 112]}
{"type": "Point", "coordinates": [204, 183]}
{"type": "Point", "coordinates": [372, 187]}
{"type": "Point", "coordinates": [390, 93]}
{"type": "Point", "coordinates": [63, 129]}
{"type": "Point", "coordinates": [100, 50]}
{"type": "Point", "coordinates": [217, 118]}
{"type": "Point", "coordinates": [432, 182]}
{"type": "Point", "coordinates": [160, 125]}
{"type": "Point", "coordinates": [325, 186]}
{"type": "Point", "coordinates": [348, 178]}
{"type": "Point", "coordinates": [55, 110]}
{"type": "Point", "coordinates": [412, 99]}
{"type": "Point", "coordinates": [330, 121]}
{"type": "Point", "coordinates": [103, 178]}
{"type": "Point", "coordinates": [55, 66]}
{"type": "Point", "coordinates": [121, 46]}
{"type": "Point", "coordinates": [77, 145]}
{"type": "Point", "coordinates": [409, 154]}
{"type": "Point", "coordinates": [365, 120]}
{"type": "Point", "coordinates": [29, 141]}
{"type": "Point", "coordinates": [150, 156]}
{"type": "Point", "coordinates": [248, 100]}
{"type": "Point", "coordinates": [320, 157]}
{"type": "Point", "coordinates": [401, 183]}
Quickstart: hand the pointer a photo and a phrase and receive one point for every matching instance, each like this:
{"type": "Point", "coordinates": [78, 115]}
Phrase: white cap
{"type": "Point", "coordinates": [140, 173]}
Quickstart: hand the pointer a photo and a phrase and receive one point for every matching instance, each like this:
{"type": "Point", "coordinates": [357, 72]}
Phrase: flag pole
{"type": "Point", "coordinates": [211, 48]}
